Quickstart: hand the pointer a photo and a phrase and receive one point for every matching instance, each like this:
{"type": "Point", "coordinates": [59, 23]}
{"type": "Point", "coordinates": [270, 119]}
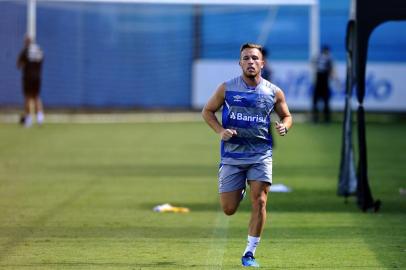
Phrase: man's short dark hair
{"type": "Point", "coordinates": [252, 46]}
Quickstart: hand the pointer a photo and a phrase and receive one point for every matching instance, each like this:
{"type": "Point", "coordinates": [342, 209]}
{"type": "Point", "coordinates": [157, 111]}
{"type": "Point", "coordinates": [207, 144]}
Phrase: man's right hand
{"type": "Point", "coordinates": [226, 134]}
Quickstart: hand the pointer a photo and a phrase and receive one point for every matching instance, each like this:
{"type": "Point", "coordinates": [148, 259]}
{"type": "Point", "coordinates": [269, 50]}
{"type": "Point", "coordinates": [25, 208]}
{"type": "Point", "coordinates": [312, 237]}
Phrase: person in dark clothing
{"type": "Point", "coordinates": [266, 72]}
{"type": "Point", "coordinates": [30, 62]}
{"type": "Point", "coordinates": [323, 72]}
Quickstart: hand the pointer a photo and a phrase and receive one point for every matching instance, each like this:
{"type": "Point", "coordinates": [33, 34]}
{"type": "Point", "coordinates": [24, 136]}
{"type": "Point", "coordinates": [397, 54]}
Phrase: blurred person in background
{"type": "Point", "coordinates": [246, 142]}
{"type": "Point", "coordinates": [323, 68]}
{"type": "Point", "coordinates": [30, 62]}
{"type": "Point", "coordinates": [266, 72]}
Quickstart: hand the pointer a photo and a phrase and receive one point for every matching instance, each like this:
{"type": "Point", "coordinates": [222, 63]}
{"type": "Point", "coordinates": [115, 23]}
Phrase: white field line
{"type": "Point", "coordinates": [218, 242]}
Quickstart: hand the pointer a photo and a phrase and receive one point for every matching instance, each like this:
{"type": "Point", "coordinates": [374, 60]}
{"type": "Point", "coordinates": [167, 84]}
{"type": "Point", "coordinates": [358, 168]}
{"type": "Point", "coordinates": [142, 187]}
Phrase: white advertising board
{"type": "Point", "coordinates": [385, 83]}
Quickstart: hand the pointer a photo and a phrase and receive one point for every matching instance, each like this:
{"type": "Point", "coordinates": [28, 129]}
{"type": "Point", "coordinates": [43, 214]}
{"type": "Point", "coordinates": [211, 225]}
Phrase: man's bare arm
{"type": "Point", "coordinates": [209, 114]}
{"type": "Point", "coordinates": [282, 110]}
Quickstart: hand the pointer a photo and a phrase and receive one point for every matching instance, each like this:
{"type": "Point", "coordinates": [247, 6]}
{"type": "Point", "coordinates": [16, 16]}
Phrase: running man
{"type": "Point", "coordinates": [246, 141]}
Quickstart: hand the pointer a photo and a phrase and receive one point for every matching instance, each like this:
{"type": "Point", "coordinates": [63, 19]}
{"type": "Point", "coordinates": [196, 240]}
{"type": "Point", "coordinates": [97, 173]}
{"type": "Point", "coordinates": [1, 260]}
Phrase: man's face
{"type": "Point", "coordinates": [251, 62]}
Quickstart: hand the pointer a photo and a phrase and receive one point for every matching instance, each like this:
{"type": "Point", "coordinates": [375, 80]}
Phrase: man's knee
{"type": "Point", "coordinates": [259, 202]}
{"type": "Point", "coordinates": [229, 209]}
{"type": "Point", "coordinates": [230, 201]}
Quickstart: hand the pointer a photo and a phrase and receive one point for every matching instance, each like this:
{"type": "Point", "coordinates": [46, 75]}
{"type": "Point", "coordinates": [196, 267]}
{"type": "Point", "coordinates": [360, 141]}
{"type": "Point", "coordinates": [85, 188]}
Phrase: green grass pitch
{"type": "Point", "coordinates": [80, 196]}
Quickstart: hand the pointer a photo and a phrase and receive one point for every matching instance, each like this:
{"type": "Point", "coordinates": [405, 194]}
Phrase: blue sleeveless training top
{"type": "Point", "coordinates": [247, 110]}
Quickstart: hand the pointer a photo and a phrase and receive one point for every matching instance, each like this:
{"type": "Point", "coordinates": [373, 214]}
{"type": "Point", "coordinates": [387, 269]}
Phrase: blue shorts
{"type": "Point", "coordinates": [234, 177]}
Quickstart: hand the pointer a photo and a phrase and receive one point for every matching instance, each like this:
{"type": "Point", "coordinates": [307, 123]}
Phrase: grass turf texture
{"type": "Point", "coordinates": [76, 196]}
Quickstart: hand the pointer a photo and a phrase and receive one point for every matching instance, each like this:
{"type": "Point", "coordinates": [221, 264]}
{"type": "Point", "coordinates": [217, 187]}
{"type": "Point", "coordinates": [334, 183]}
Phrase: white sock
{"type": "Point", "coordinates": [40, 117]}
{"type": "Point", "coordinates": [252, 244]}
{"type": "Point", "coordinates": [27, 121]}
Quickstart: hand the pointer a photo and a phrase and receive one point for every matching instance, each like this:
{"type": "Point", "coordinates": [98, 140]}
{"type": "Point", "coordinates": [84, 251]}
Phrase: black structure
{"type": "Point", "coordinates": [366, 15]}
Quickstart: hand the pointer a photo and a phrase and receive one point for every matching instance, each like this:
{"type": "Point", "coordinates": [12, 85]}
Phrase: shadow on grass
{"type": "Point", "coordinates": [316, 200]}
{"type": "Point", "coordinates": [16, 239]}
{"type": "Point", "coordinates": [140, 170]}
{"type": "Point", "coordinates": [298, 201]}
{"type": "Point", "coordinates": [137, 234]}
{"type": "Point", "coordinates": [169, 170]}
{"type": "Point", "coordinates": [91, 265]}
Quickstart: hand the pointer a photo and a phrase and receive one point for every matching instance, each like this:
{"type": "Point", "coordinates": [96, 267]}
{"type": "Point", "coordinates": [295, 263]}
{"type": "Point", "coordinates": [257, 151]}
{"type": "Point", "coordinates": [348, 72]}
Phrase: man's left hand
{"type": "Point", "coordinates": [281, 128]}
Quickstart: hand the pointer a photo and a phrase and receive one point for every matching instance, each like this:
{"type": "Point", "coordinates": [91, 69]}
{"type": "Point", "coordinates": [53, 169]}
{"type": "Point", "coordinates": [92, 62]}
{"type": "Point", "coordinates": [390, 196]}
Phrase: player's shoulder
{"type": "Point", "coordinates": [233, 81]}
{"type": "Point", "coordinates": [234, 84]}
{"type": "Point", "coordinates": [271, 86]}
